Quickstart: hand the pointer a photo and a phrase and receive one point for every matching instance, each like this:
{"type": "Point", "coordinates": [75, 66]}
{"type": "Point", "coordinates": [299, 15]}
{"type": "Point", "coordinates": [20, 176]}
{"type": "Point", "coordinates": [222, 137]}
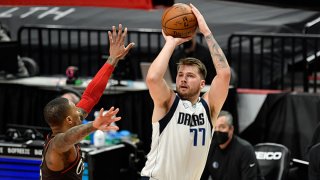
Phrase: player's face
{"type": "Point", "coordinates": [188, 82]}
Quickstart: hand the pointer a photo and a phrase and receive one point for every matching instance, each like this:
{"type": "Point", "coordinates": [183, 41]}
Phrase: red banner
{"type": "Point", "coordinates": [135, 4]}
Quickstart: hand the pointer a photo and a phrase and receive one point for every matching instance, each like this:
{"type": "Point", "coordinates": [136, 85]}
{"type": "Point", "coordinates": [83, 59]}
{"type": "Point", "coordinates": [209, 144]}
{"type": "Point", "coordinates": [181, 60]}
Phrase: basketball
{"type": "Point", "coordinates": [179, 21]}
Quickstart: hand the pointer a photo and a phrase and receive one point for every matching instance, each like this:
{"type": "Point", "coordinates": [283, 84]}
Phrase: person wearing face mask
{"type": "Point", "coordinates": [230, 157]}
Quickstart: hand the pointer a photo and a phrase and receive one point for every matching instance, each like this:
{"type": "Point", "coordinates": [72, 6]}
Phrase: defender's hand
{"type": "Point", "coordinates": [116, 40]}
{"type": "Point", "coordinates": [103, 121]}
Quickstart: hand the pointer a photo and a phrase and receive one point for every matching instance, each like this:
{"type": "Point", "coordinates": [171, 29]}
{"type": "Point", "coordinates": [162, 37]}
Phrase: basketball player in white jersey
{"type": "Point", "coordinates": [182, 122]}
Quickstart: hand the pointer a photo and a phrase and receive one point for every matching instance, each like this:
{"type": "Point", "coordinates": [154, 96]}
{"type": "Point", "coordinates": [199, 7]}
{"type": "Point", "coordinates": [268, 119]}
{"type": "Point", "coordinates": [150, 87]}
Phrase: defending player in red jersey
{"type": "Point", "coordinates": [61, 155]}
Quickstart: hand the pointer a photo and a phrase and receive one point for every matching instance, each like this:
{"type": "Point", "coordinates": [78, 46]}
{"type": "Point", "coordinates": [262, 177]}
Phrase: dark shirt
{"type": "Point", "coordinates": [74, 172]}
{"type": "Point", "coordinates": [314, 163]}
{"type": "Point", "coordinates": [315, 140]}
{"type": "Point", "coordinates": [236, 162]}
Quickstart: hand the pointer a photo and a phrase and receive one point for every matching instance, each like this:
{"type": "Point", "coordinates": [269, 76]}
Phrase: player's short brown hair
{"type": "Point", "coordinates": [190, 61]}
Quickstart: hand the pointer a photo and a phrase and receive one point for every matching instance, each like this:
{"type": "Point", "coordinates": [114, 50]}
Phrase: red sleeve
{"type": "Point", "coordinates": [95, 88]}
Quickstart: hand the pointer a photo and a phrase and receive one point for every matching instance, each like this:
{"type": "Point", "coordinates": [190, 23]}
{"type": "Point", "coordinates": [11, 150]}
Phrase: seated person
{"type": "Point", "coordinates": [313, 155]}
{"type": "Point", "coordinates": [315, 140]}
{"type": "Point", "coordinates": [314, 163]}
{"type": "Point", "coordinates": [230, 157]}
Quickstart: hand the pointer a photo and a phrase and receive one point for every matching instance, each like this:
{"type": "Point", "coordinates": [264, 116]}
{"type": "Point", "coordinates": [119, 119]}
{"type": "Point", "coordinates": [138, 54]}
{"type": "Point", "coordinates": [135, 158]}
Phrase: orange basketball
{"type": "Point", "coordinates": [179, 21]}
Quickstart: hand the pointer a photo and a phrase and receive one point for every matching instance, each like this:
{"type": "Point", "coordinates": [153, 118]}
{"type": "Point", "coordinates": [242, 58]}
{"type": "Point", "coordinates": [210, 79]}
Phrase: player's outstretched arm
{"type": "Point", "coordinates": [96, 87]}
{"type": "Point", "coordinates": [158, 88]}
{"type": "Point", "coordinates": [65, 141]}
{"type": "Point", "coordinates": [219, 88]}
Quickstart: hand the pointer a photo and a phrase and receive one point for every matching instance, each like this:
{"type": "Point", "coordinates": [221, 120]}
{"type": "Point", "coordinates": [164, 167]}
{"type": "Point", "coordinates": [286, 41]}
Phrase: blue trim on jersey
{"type": "Point", "coordinates": [206, 107]}
{"type": "Point", "coordinates": [166, 119]}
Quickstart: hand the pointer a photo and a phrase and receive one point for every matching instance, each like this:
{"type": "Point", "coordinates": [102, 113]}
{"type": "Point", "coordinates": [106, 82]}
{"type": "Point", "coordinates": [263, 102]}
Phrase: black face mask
{"type": "Point", "coordinates": [220, 137]}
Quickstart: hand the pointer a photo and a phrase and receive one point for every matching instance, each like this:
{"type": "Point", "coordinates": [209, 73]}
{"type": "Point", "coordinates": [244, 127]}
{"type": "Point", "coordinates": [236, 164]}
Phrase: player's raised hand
{"type": "Point", "coordinates": [177, 41]}
{"type": "Point", "coordinates": [203, 27]}
{"type": "Point", "coordinates": [118, 50]}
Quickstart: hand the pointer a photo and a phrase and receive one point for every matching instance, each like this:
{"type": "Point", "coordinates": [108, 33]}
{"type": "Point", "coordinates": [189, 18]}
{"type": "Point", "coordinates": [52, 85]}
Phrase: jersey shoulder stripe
{"type": "Point", "coordinates": [166, 119]}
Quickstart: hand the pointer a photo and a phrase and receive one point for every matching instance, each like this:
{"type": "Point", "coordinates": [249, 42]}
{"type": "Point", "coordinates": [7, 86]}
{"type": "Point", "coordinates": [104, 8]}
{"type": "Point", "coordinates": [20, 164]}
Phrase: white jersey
{"type": "Point", "coordinates": [180, 142]}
